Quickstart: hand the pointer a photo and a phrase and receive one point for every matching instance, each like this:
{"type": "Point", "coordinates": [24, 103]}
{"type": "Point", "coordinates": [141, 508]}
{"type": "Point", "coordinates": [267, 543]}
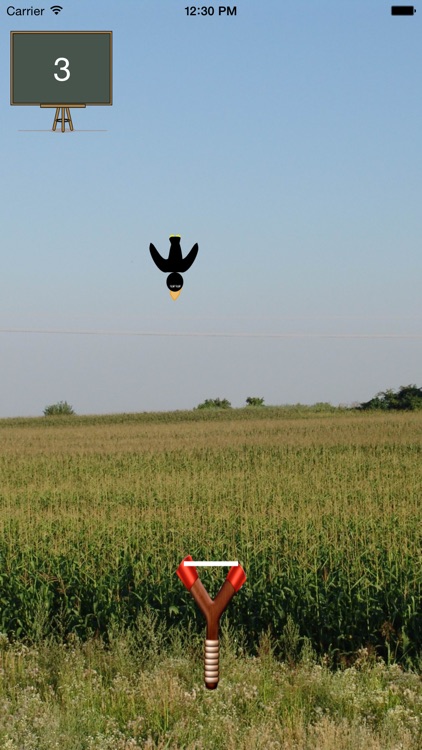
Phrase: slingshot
{"type": "Point", "coordinates": [212, 609]}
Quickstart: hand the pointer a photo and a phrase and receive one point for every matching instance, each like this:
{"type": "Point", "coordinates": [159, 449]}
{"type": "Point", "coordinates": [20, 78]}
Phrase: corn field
{"type": "Point", "coordinates": [323, 511]}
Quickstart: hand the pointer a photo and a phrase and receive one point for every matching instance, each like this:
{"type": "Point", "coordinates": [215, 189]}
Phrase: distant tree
{"type": "Point", "coordinates": [254, 401]}
{"type": "Point", "coordinates": [407, 398]}
{"type": "Point", "coordinates": [62, 407]}
{"type": "Point", "coordinates": [410, 397]}
{"type": "Point", "coordinates": [215, 403]}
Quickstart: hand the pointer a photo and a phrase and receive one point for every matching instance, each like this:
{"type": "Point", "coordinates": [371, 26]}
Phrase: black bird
{"type": "Point", "coordinates": [175, 263]}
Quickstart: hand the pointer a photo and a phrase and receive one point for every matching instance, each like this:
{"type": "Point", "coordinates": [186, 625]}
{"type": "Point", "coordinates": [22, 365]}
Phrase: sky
{"type": "Point", "coordinates": [286, 142]}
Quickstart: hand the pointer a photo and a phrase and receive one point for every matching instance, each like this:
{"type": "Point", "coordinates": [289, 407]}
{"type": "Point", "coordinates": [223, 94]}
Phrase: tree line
{"type": "Point", "coordinates": [406, 398]}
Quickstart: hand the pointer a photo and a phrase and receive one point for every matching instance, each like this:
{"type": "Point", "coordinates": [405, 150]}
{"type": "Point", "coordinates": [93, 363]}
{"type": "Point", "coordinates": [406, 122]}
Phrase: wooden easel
{"type": "Point", "coordinates": [62, 114]}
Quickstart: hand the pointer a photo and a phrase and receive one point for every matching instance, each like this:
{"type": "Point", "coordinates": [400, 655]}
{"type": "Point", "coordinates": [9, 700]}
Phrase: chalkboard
{"type": "Point", "coordinates": [60, 67]}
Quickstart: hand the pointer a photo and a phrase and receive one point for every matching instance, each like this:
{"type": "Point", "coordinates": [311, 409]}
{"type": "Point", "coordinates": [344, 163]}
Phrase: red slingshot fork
{"type": "Point", "coordinates": [212, 609]}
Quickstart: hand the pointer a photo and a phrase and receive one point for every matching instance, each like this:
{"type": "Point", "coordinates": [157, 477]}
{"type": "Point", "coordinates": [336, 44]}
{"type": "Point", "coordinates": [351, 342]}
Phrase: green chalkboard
{"type": "Point", "coordinates": [60, 67]}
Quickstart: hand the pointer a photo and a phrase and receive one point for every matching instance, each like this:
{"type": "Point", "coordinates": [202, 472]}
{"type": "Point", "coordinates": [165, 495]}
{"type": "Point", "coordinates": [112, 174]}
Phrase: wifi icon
{"type": "Point", "coordinates": [56, 9]}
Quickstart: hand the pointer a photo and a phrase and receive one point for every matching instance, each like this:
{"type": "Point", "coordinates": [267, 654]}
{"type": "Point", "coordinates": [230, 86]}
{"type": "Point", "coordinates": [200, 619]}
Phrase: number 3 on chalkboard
{"type": "Point", "coordinates": [64, 67]}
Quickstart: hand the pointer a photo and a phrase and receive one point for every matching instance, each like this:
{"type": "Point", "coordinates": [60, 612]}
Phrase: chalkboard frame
{"type": "Point", "coordinates": [57, 33]}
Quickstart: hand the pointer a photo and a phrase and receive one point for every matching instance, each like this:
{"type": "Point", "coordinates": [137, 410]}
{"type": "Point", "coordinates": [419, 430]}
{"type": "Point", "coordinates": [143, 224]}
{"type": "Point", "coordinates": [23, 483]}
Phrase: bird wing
{"type": "Point", "coordinates": [187, 262]}
{"type": "Point", "coordinates": [161, 263]}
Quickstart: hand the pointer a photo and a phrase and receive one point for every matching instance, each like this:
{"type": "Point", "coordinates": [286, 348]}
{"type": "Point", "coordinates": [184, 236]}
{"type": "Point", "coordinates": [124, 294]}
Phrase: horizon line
{"type": "Point", "coordinates": [69, 332]}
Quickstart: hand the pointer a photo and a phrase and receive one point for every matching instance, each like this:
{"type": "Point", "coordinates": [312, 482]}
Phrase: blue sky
{"type": "Point", "coordinates": [286, 142]}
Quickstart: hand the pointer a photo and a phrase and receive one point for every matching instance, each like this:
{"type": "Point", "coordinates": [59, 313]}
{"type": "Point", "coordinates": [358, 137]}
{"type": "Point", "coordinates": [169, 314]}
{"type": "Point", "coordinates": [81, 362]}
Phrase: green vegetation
{"type": "Point", "coordinates": [321, 508]}
{"type": "Point", "coordinates": [62, 407]}
{"type": "Point", "coordinates": [288, 411]}
{"type": "Point", "coordinates": [408, 397]}
{"type": "Point", "coordinates": [136, 695]}
{"type": "Point", "coordinates": [322, 512]}
{"type": "Point", "coordinates": [254, 401]}
{"type": "Point", "coordinates": [215, 403]}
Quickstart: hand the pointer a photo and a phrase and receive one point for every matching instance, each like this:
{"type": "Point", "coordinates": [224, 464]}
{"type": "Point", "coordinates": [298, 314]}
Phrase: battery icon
{"type": "Point", "coordinates": [402, 10]}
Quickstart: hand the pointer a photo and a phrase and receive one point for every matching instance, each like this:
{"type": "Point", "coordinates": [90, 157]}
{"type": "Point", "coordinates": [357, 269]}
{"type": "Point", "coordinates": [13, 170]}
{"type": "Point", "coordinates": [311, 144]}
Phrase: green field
{"type": "Point", "coordinates": [323, 511]}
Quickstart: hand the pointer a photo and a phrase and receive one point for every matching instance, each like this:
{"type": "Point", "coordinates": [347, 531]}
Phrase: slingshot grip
{"type": "Point", "coordinates": [211, 664]}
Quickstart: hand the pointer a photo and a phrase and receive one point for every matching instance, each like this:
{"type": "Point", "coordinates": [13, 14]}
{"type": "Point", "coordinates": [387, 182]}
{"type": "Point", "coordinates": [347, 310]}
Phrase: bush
{"type": "Point", "coordinates": [215, 403]}
{"type": "Point", "coordinates": [62, 407]}
{"type": "Point", "coordinates": [408, 398]}
{"type": "Point", "coordinates": [254, 401]}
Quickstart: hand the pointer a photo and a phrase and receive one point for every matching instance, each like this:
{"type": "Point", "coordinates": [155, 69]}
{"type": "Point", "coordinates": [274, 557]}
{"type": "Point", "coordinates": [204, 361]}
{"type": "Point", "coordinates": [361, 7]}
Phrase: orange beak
{"type": "Point", "coordinates": [174, 295]}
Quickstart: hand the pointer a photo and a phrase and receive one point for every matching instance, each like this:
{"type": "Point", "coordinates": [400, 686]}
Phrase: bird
{"type": "Point", "coordinates": [176, 264]}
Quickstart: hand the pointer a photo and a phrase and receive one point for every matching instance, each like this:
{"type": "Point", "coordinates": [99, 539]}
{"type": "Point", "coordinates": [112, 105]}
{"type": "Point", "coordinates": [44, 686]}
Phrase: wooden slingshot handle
{"type": "Point", "coordinates": [212, 609]}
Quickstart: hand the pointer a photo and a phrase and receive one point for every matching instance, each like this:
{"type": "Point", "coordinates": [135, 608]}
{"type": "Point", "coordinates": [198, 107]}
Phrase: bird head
{"type": "Point", "coordinates": [175, 283]}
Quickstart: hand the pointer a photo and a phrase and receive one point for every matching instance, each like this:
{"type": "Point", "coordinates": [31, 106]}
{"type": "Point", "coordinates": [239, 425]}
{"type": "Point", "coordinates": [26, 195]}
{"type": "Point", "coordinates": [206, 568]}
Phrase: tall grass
{"type": "Point", "coordinates": [132, 695]}
{"type": "Point", "coordinates": [323, 511]}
